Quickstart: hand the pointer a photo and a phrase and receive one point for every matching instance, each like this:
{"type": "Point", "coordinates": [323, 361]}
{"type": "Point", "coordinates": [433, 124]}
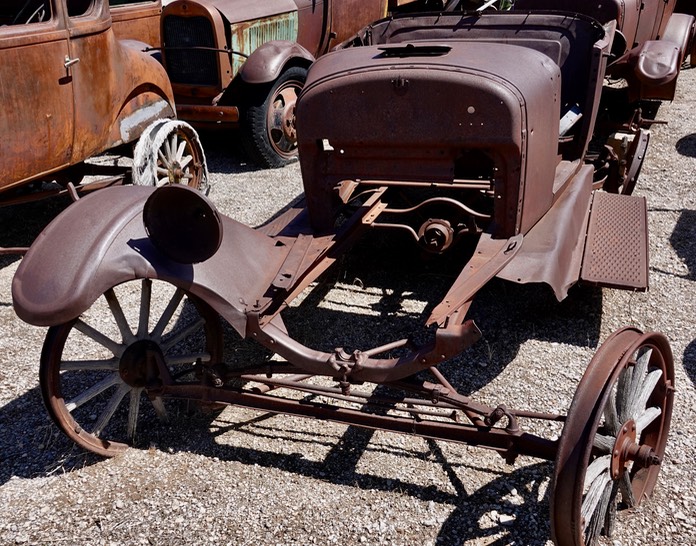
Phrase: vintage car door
{"type": "Point", "coordinates": [36, 93]}
{"type": "Point", "coordinates": [313, 28]}
{"type": "Point", "coordinates": [96, 53]}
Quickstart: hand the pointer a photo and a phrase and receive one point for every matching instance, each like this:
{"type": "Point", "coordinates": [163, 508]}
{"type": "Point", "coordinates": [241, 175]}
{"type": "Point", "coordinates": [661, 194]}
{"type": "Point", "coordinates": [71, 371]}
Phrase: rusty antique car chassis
{"type": "Point", "coordinates": [503, 171]}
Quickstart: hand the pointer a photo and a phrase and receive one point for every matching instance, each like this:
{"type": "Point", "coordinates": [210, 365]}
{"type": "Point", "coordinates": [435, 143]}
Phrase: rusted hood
{"type": "Point", "coordinates": [237, 11]}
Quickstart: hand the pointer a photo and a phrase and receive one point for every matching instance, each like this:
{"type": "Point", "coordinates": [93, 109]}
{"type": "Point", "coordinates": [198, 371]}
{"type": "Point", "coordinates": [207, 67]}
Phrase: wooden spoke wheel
{"type": "Point", "coordinates": [170, 152]}
{"type": "Point", "coordinates": [100, 373]}
{"type": "Point", "coordinates": [614, 437]}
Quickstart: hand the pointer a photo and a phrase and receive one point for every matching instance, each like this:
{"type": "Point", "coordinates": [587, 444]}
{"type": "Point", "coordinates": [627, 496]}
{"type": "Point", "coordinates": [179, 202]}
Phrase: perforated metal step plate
{"type": "Point", "coordinates": [616, 248]}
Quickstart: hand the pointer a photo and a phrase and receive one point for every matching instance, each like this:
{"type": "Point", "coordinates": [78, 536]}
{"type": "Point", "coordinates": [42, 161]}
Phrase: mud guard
{"type": "Point", "coordinates": [267, 61]}
{"type": "Point", "coordinates": [100, 241]}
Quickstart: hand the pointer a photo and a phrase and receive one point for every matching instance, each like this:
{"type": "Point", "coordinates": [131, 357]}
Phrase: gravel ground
{"type": "Point", "coordinates": [244, 477]}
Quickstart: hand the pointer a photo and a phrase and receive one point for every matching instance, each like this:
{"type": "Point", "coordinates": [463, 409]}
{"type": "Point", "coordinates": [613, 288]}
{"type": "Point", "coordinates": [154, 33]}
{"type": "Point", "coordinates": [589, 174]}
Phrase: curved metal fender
{"type": "Point", "coordinates": [267, 61]}
{"type": "Point", "coordinates": [150, 96]}
{"type": "Point", "coordinates": [100, 241]}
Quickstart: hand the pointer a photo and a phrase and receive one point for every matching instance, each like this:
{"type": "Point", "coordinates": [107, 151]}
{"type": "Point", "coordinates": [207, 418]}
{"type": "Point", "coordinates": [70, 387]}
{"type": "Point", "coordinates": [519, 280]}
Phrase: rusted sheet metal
{"type": "Point", "coordinates": [217, 114]}
{"type": "Point", "coordinates": [616, 252]}
{"type": "Point", "coordinates": [139, 21]}
{"type": "Point", "coordinates": [238, 11]}
{"type": "Point", "coordinates": [249, 36]}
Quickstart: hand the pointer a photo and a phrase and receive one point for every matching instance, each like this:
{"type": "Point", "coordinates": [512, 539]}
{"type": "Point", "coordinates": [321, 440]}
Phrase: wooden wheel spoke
{"type": "Point", "coordinates": [109, 365]}
{"type": "Point", "coordinates": [176, 337]}
{"type": "Point", "coordinates": [180, 150]}
{"type": "Point", "coordinates": [133, 410]}
{"type": "Point", "coordinates": [646, 389]}
{"type": "Point", "coordinates": [647, 417]}
{"type": "Point", "coordinates": [185, 161]}
{"type": "Point", "coordinates": [603, 442]}
{"type": "Point", "coordinates": [119, 317]}
{"type": "Point", "coordinates": [95, 390]}
{"type": "Point", "coordinates": [168, 313]}
{"type": "Point", "coordinates": [95, 335]}
{"type": "Point", "coordinates": [160, 410]}
{"type": "Point", "coordinates": [640, 370]}
{"type": "Point", "coordinates": [594, 494]}
{"type": "Point", "coordinates": [627, 489]}
{"type": "Point", "coordinates": [111, 407]}
{"type": "Point", "coordinates": [163, 159]}
{"type": "Point", "coordinates": [145, 305]}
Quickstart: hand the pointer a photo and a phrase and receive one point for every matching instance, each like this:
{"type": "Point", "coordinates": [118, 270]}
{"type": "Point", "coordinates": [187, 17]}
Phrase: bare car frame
{"type": "Point", "coordinates": [468, 134]}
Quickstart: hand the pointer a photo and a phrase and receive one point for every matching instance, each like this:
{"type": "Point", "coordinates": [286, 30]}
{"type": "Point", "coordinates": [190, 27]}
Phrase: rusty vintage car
{"type": "Point", "coordinates": [242, 63]}
{"type": "Point", "coordinates": [499, 182]}
{"type": "Point", "coordinates": [72, 89]}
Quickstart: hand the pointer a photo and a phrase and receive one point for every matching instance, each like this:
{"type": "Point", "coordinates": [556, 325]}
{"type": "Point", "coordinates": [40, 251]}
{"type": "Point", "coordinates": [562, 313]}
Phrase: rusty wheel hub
{"type": "Point", "coordinates": [626, 449]}
{"type": "Point", "coordinates": [139, 365]}
{"type": "Point", "coordinates": [288, 122]}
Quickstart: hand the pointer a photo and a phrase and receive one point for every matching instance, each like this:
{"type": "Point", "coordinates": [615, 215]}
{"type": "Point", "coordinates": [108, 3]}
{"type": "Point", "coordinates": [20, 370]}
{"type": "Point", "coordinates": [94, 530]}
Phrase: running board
{"type": "Point", "coordinates": [616, 247]}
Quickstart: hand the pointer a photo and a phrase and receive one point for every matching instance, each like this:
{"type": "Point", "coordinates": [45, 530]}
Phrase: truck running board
{"type": "Point", "coordinates": [616, 248]}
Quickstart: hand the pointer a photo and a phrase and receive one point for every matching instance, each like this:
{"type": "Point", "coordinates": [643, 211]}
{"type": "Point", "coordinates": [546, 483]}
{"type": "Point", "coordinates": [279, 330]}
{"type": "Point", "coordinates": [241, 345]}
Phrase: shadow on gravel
{"type": "Point", "coordinates": [686, 145]}
{"type": "Point", "coordinates": [683, 240]}
{"type": "Point", "coordinates": [690, 361]}
{"type": "Point", "coordinates": [224, 152]}
{"type": "Point", "coordinates": [21, 224]}
{"type": "Point", "coordinates": [508, 316]}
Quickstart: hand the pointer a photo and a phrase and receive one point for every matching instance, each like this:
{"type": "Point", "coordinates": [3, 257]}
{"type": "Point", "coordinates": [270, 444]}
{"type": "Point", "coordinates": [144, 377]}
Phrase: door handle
{"type": "Point", "coordinates": [69, 62]}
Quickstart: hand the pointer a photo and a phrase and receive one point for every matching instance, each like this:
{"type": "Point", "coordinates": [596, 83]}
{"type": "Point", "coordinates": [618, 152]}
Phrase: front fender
{"type": "Point", "coordinates": [63, 272]}
{"type": "Point", "coordinates": [267, 61]}
{"type": "Point", "coordinates": [100, 241]}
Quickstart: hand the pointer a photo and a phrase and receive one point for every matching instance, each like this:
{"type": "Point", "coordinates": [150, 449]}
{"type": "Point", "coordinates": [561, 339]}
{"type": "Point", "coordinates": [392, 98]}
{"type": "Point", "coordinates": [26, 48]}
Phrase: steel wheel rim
{"type": "Point", "coordinates": [73, 388]}
{"type": "Point", "coordinates": [281, 119]}
{"type": "Point", "coordinates": [577, 515]}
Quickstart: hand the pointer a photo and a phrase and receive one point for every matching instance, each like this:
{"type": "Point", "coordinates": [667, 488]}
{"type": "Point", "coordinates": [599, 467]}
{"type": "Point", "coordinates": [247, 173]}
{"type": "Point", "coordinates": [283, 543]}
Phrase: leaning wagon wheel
{"type": "Point", "coordinates": [170, 152]}
{"type": "Point", "coordinates": [96, 370]}
{"type": "Point", "coordinates": [614, 437]}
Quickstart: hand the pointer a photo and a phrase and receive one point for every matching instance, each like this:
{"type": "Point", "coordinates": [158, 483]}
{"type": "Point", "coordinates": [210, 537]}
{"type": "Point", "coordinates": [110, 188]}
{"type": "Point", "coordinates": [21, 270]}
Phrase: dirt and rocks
{"type": "Point", "coordinates": [244, 477]}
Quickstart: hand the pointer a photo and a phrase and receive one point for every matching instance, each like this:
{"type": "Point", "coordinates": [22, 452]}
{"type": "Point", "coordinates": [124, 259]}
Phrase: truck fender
{"type": "Point", "coordinates": [267, 61]}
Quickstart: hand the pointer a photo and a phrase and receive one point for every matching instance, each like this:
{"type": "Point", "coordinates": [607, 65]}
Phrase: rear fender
{"type": "Point", "coordinates": [100, 241]}
{"type": "Point", "coordinates": [267, 61]}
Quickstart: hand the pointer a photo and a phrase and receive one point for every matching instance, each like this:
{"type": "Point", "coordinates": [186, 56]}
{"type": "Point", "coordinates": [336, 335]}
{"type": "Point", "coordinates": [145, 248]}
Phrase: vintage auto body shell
{"type": "Point", "coordinates": [103, 100]}
{"type": "Point", "coordinates": [509, 110]}
{"type": "Point", "coordinates": [140, 21]}
{"type": "Point", "coordinates": [118, 250]}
